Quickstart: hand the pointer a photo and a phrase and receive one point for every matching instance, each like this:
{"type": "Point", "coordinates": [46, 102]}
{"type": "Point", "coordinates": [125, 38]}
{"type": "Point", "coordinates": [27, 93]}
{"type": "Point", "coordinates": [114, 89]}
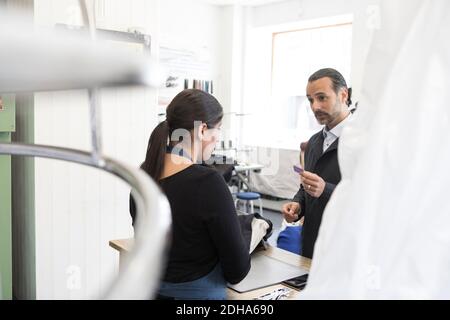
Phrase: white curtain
{"type": "Point", "coordinates": [386, 231]}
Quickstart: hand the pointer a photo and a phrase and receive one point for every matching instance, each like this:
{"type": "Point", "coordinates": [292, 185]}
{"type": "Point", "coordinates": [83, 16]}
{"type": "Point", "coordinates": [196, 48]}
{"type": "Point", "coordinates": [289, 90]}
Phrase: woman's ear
{"type": "Point", "coordinates": [201, 131]}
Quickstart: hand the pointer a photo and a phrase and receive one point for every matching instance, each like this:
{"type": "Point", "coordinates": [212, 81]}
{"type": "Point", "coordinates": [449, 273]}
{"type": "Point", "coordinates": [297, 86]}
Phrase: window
{"type": "Point", "coordinates": [276, 96]}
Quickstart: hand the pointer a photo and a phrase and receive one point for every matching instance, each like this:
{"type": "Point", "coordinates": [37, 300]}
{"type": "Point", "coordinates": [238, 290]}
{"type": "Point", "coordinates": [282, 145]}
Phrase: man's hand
{"type": "Point", "coordinates": [313, 184]}
{"type": "Point", "coordinates": [290, 211]}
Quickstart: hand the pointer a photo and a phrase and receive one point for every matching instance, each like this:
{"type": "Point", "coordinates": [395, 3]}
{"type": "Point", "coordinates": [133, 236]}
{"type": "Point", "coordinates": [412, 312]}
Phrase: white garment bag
{"type": "Point", "coordinates": [385, 233]}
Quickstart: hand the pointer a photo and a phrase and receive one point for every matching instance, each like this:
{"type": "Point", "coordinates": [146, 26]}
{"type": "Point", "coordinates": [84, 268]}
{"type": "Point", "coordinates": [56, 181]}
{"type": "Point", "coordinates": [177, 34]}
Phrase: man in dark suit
{"type": "Point", "coordinates": [329, 98]}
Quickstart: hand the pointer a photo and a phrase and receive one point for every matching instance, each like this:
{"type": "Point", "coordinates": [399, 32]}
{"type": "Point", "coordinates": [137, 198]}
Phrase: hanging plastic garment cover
{"type": "Point", "coordinates": [385, 233]}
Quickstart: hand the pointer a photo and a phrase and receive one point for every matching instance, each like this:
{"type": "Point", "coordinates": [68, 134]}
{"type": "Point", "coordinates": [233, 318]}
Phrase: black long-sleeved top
{"type": "Point", "coordinates": [205, 227]}
{"type": "Point", "coordinates": [326, 165]}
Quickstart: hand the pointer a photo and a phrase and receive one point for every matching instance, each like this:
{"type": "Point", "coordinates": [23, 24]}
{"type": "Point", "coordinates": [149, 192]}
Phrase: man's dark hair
{"type": "Point", "coordinates": [336, 78]}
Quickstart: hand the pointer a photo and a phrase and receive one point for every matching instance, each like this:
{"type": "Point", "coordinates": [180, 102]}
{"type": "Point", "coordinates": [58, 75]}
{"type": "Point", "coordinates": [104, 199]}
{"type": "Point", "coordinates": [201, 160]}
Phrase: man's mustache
{"type": "Point", "coordinates": [319, 114]}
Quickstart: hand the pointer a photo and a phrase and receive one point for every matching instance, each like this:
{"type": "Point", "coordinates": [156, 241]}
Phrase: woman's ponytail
{"type": "Point", "coordinates": [156, 150]}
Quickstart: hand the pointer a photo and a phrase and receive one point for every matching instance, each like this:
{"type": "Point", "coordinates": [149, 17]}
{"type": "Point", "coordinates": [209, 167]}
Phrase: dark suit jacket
{"type": "Point", "coordinates": [324, 164]}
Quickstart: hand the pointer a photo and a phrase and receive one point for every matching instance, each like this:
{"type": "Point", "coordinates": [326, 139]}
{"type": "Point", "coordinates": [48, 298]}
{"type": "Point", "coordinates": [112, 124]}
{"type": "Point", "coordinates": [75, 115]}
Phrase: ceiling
{"type": "Point", "coordinates": [240, 2]}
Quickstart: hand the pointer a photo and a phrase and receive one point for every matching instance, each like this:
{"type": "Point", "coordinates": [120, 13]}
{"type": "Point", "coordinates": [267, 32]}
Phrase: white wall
{"type": "Point", "coordinates": [208, 31]}
{"type": "Point", "coordinates": [193, 26]}
{"type": "Point", "coordinates": [232, 32]}
{"type": "Point", "coordinates": [78, 209]}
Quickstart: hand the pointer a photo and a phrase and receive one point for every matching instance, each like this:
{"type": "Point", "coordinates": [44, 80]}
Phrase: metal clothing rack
{"type": "Point", "coordinates": [104, 34]}
{"type": "Point", "coordinates": [139, 278]}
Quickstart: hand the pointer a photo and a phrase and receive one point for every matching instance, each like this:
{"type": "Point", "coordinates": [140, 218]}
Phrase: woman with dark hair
{"type": "Point", "coordinates": [207, 247]}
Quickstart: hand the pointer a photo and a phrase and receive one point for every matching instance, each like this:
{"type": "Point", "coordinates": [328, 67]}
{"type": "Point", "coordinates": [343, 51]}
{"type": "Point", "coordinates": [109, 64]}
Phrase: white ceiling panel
{"type": "Point", "coordinates": [240, 2]}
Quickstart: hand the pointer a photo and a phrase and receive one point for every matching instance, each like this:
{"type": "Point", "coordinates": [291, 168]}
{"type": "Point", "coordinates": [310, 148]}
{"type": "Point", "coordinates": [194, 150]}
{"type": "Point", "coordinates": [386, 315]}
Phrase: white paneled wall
{"type": "Point", "coordinates": [79, 209]}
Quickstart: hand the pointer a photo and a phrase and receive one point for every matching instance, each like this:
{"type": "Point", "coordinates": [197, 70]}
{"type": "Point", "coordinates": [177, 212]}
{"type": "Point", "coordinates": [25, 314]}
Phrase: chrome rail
{"type": "Point", "coordinates": [152, 224]}
{"type": "Point", "coordinates": [43, 61]}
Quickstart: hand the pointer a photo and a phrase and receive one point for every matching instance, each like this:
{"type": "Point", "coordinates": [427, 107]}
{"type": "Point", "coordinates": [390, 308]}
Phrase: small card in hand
{"type": "Point", "coordinates": [298, 169]}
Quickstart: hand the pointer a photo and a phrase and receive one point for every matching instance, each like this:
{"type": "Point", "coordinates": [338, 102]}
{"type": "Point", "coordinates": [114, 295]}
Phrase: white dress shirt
{"type": "Point", "coordinates": [330, 136]}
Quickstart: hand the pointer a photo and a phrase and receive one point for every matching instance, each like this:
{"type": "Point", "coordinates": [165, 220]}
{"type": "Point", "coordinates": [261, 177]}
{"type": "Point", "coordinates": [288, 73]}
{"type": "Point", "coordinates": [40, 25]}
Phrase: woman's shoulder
{"type": "Point", "coordinates": [195, 173]}
{"type": "Point", "coordinates": [203, 180]}
{"type": "Point", "coordinates": [205, 172]}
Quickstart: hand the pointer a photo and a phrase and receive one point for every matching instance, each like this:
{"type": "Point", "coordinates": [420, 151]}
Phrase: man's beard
{"type": "Point", "coordinates": [325, 118]}
{"type": "Point", "coordinates": [322, 117]}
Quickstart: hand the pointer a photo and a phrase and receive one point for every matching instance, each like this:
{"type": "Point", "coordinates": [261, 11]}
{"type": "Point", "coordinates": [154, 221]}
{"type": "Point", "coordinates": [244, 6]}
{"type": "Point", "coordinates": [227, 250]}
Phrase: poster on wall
{"type": "Point", "coordinates": [184, 69]}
